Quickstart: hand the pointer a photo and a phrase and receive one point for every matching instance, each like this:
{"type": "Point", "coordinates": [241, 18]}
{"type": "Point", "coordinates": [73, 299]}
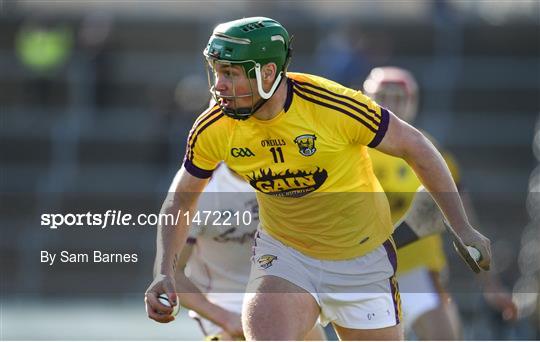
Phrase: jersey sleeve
{"type": "Point", "coordinates": [205, 144]}
{"type": "Point", "coordinates": [370, 121]}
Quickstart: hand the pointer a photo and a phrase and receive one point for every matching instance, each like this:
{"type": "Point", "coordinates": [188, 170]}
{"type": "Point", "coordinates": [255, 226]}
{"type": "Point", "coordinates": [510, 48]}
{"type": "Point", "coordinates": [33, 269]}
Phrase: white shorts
{"type": "Point", "coordinates": [360, 293]}
{"type": "Point", "coordinates": [229, 301]}
{"type": "Point", "coordinates": [418, 294]}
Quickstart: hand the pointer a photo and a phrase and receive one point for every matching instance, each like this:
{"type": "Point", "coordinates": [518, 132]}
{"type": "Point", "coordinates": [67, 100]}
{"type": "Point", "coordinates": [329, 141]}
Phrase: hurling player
{"type": "Point", "coordinates": [323, 248]}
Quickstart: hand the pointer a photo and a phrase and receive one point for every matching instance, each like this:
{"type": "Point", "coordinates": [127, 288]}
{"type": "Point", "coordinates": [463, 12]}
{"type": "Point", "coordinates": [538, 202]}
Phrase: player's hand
{"type": "Point", "coordinates": [498, 297]}
{"type": "Point", "coordinates": [155, 310]}
{"type": "Point", "coordinates": [471, 237]}
{"type": "Point", "coordinates": [502, 302]}
{"type": "Point", "coordinates": [232, 326]}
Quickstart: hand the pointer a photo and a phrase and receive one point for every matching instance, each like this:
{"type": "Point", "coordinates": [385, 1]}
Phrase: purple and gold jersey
{"type": "Point", "coordinates": [315, 185]}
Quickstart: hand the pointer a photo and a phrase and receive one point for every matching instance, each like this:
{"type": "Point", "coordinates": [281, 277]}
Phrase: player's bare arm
{"type": "Point", "coordinates": [183, 194]}
{"type": "Point", "coordinates": [192, 298]}
{"type": "Point", "coordinates": [404, 141]}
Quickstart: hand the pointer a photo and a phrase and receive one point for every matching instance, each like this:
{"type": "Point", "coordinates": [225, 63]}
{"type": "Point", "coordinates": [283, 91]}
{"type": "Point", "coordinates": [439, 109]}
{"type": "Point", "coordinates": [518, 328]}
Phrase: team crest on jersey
{"type": "Point", "coordinates": [288, 183]}
{"type": "Point", "coordinates": [306, 144]}
{"type": "Point", "coordinates": [266, 260]}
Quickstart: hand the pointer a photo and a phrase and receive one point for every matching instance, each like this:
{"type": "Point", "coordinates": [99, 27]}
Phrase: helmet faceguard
{"type": "Point", "coordinates": [395, 89]}
{"type": "Point", "coordinates": [250, 43]}
{"type": "Point", "coordinates": [234, 111]}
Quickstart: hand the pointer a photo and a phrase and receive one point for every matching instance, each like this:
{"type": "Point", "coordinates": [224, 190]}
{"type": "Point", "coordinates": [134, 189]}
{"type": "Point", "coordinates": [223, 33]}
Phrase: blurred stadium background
{"type": "Point", "coordinates": [97, 98]}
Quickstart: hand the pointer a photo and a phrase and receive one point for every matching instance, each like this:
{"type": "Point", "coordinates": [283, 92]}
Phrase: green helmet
{"type": "Point", "coordinates": [251, 43]}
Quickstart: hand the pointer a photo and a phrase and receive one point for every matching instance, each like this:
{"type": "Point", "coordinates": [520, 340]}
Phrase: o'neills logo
{"type": "Point", "coordinates": [272, 142]}
{"type": "Point", "coordinates": [288, 183]}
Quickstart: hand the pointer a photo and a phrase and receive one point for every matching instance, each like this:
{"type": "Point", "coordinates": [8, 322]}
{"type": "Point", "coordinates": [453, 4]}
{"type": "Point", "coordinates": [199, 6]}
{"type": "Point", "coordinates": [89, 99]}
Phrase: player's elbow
{"type": "Point", "coordinates": [416, 145]}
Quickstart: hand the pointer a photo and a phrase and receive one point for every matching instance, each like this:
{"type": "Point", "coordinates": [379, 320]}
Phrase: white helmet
{"type": "Point", "coordinates": [395, 89]}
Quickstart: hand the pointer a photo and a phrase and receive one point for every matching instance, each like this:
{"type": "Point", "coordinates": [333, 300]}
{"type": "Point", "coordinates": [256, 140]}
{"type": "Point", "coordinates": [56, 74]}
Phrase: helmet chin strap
{"type": "Point", "coordinates": [265, 96]}
{"type": "Point", "coordinates": [262, 93]}
{"type": "Point", "coordinates": [246, 112]}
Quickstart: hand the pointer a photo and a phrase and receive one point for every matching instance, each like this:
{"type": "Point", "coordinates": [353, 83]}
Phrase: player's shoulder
{"type": "Point", "coordinates": [211, 120]}
{"type": "Point", "coordinates": [303, 78]}
{"type": "Point", "coordinates": [338, 105]}
{"type": "Point", "coordinates": [317, 85]}
{"type": "Point", "coordinates": [210, 115]}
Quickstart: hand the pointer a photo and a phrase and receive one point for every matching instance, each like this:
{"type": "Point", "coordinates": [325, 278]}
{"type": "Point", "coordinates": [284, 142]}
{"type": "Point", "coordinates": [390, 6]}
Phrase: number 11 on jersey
{"type": "Point", "coordinates": [277, 153]}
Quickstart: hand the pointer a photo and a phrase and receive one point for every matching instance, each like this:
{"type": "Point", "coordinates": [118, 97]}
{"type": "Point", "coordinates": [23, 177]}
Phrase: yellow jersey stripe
{"type": "Point", "coordinates": [215, 116]}
{"type": "Point", "coordinates": [298, 92]}
{"type": "Point", "coordinates": [201, 119]}
{"type": "Point", "coordinates": [363, 105]}
{"type": "Point", "coordinates": [373, 122]}
{"type": "Point", "coordinates": [376, 120]}
{"type": "Point", "coordinates": [199, 126]}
